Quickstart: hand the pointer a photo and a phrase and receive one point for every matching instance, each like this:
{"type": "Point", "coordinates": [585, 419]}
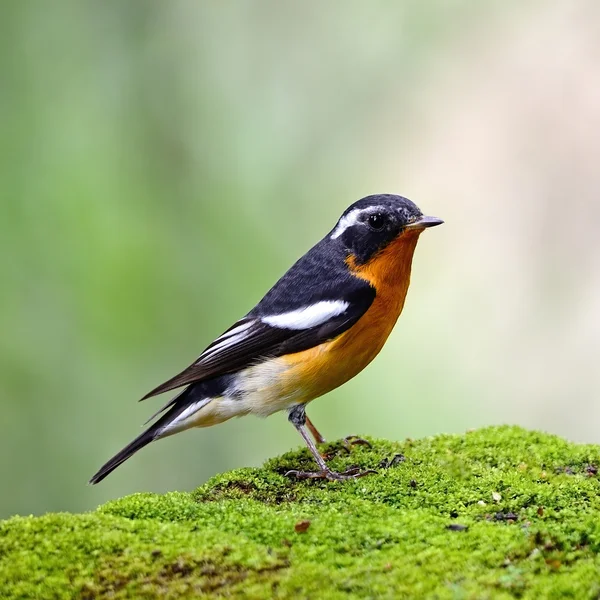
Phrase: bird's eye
{"type": "Point", "coordinates": [376, 221]}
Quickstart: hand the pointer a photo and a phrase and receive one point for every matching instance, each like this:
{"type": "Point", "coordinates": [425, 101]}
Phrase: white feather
{"type": "Point", "coordinates": [309, 316]}
{"type": "Point", "coordinates": [183, 420]}
{"type": "Point", "coordinates": [346, 221]}
{"type": "Point", "coordinates": [352, 219]}
{"type": "Point", "coordinates": [222, 345]}
{"type": "Point", "coordinates": [237, 329]}
{"type": "Point", "coordinates": [228, 339]}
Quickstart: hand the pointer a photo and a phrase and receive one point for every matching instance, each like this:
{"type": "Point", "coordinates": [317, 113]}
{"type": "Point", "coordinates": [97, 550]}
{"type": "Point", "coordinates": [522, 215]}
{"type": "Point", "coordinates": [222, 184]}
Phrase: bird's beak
{"type": "Point", "coordinates": [424, 222]}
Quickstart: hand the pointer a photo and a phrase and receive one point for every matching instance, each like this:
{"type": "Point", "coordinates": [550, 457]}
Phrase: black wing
{"type": "Point", "coordinates": [254, 338]}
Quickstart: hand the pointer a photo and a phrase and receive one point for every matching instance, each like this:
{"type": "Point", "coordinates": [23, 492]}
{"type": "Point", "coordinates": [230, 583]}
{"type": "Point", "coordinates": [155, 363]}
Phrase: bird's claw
{"type": "Point", "coordinates": [354, 440]}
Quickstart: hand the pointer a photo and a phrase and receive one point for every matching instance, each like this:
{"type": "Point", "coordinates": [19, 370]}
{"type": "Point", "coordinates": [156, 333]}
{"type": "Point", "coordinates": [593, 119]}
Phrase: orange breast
{"type": "Point", "coordinates": [325, 367]}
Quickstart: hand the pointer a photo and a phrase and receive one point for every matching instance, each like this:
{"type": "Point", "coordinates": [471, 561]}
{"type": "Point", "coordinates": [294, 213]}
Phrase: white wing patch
{"type": "Point", "coordinates": [309, 316]}
{"type": "Point", "coordinates": [230, 338]}
{"type": "Point", "coordinates": [224, 343]}
{"type": "Point", "coordinates": [302, 318]}
{"type": "Point", "coordinates": [351, 219]}
{"type": "Point", "coordinates": [236, 330]}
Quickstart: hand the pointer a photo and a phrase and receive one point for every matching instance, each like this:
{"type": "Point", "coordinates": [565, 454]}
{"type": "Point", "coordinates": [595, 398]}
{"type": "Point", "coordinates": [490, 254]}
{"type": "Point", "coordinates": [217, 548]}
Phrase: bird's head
{"type": "Point", "coordinates": [370, 225]}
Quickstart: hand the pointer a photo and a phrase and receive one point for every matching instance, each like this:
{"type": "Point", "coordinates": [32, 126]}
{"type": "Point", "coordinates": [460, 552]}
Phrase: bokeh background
{"type": "Point", "coordinates": [163, 163]}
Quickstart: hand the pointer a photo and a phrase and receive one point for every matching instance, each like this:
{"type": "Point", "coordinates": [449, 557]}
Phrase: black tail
{"type": "Point", "coordinates": [176, 405]}
{"type": "Point", "coordinates": [197, 393]}
{"type": "Point", "coordinates": [140, 441]}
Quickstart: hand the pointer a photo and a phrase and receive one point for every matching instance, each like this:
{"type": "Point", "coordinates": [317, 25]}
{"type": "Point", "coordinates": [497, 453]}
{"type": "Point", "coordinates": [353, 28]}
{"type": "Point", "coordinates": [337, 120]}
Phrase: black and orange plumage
{"type": "Point", "coordinates": [321, 324]}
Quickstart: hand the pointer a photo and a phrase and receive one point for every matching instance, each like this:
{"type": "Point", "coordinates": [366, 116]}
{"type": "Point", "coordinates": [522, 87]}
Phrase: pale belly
{"type": "Point", "coordinates": [281, 383]}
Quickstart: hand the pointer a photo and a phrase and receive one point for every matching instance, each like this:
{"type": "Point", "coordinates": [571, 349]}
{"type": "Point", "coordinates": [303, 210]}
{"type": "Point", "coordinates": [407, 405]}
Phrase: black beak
{"type": "Point", "coordinates": [424, 222]}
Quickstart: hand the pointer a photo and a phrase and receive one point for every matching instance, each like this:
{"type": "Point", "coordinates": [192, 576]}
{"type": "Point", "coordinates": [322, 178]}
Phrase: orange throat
{"type": "Point", "coordinates": [389, 270]}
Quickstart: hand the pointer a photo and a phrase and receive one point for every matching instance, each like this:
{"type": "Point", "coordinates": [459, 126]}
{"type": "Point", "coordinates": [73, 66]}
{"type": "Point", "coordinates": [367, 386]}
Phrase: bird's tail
{"type": "Point", "coordinates": [140, 441]}
{"type": "Point", "coordinates": [161, 428]}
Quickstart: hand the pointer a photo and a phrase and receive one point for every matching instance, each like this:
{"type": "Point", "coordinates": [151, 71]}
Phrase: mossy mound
{"type": "Point", "coordinates": [496, 513]}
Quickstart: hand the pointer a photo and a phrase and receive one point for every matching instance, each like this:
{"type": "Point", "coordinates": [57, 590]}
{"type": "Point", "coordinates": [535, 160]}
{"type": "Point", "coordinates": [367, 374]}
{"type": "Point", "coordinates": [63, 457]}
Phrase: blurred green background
{"type": "Point", "coordinates": [163, 163]}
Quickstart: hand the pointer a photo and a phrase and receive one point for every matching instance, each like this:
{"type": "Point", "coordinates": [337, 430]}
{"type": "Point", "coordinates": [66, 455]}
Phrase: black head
{"type": "Point", "coordinates": [370, 224]}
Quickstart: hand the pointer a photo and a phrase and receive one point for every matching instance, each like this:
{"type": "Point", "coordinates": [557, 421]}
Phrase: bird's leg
{"type": "Point", "coordinates": [319, 439]}
{"type": "Point", "coordinates": [297, 416]}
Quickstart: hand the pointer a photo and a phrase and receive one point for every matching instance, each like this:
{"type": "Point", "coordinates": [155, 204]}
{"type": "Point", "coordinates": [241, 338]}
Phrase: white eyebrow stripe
{"type": "Point", "coordinates": [351, 219]}
{"type": "Point", "coordinates": [309, 316]}
{"type": "Point", "coordinates": [346, 221]}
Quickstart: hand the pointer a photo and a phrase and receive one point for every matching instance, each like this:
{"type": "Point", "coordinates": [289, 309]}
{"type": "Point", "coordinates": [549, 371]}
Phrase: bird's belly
{"type": "Point", "coordinates": [280, 383]}
{"type": "Point", "coordinates": [326, 367]}
{"type": "Point", "coordinates": [283, 382]}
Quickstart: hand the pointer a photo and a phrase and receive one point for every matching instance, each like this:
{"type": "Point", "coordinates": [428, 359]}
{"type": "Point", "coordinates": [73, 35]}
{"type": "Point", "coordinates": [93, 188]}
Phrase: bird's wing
{"type": "Point", "coordinates": [261, 335]}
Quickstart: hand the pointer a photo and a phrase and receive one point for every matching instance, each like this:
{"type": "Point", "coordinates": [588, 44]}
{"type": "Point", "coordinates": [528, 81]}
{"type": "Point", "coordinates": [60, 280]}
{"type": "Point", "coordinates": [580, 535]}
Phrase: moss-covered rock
{"type": "Point", "coordinates": [496, 513]}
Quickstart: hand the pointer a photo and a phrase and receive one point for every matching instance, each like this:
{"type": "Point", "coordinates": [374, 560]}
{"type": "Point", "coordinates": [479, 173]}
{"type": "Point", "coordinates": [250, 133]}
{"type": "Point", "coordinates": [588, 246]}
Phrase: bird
{"type": "Point", "coordinates": [320, 325]}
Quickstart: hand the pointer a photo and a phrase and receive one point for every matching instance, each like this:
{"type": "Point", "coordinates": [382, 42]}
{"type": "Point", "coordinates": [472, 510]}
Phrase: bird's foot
{"type": "Point", "coordinates": [354, 440]}
{"type": "Point", "coordinates": [351, 473]}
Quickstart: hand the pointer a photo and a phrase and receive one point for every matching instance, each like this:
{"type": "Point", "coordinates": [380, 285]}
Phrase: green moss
{"type": "Point", "coordinates": [496, 513]}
